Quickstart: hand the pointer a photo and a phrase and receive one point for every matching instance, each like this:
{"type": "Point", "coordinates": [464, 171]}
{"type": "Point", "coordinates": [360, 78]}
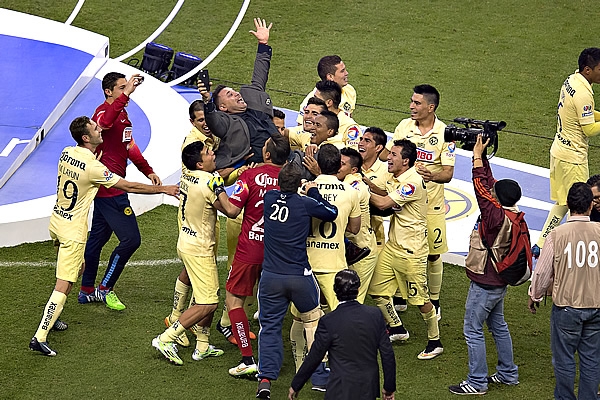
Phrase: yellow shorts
{"type": "Point", "coordinates": [562, 176]}
{"type": "Point", "coordinates": [365, 269]}
{"type": "Point", "coordinates": [70, 258]}
{"type": "Point", "coordinates": [203, 276]}
{"type": "Point", "coordinates": [397, 271]}
{"type": "Point", "coordinates": [436, 233]}
{"type": "Point", "coordinates": [377, 225]}
{"type": "Point", "coordinates": [234, 227]}
{"type": "Point", "coordinates": [325, 281]}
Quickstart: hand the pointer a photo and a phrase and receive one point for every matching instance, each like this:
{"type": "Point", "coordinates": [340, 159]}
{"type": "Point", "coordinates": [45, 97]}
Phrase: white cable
{"type": "Point", "coordinates": [74, 12]}
{"type": "Point", "coordinates": [216, 51]}
{"type": "Point", "coordinates": [157, 32]}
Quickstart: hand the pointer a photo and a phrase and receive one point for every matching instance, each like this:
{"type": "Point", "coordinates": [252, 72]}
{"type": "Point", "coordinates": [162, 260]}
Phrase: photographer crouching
{"type": "Point", "coordinates": [485, 300]}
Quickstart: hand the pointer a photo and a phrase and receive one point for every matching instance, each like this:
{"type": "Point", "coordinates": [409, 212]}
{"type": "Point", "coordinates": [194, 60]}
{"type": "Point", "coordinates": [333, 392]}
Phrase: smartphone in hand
{"type": "Point", "coordinates": [204, 78]}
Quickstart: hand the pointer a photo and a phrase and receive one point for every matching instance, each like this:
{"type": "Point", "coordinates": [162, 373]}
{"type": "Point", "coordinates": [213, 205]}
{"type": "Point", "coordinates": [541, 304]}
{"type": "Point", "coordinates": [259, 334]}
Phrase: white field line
{"type": "Point", "coordinates": [139, 263]}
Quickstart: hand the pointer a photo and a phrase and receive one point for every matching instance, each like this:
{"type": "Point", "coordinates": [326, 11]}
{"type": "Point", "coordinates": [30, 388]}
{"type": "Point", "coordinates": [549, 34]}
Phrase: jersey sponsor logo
{"type": "Point", "coordinates": [563, 140]}
{"type": "Point", "coordinates": [51, 311]}
{"type": "Point", "coordinates": [355, 185]}
{"type": "Point", "coordinates": [194, 180]}
{"type": "Point", "coordinates": [451, 147]}
{"type": "Point", "coordinates": [238, 188]}
{"type": "Point", "coordinates": [323, 245]}
{"type": "Point", "coordinates": [425, 155]}
{"type": "Point", "coordinates": [127, 134]}
{"type": "Point", "coordinates": [63, 214]}
{"type": "Point", "coordinates": [263, 179]}
{"type": "Point", "coordinates": [72, 161]}
{"type": "Point", "coordinates": [433, 141]}
{"type": "Point", "coordinates": [353, 133]}
{"type": "Point", "coordinates": [128, 211]}
{"type": "Point", "coordinates": [588, 110]}
{"type": "Point", "coordinates": [189, 231]}
{"type": "Point", "coordinates": [568, 88]}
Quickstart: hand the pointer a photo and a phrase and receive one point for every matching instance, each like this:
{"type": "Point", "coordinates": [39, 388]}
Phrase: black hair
{"type": "Point", "coordinates": [329, 159]}
{"type": "Point", "coordinates": [378, 134]}
{"type": "Point", "coordinates": [354, 156]}
{"type": "Point", "coordinates": [346, 285]}
{"type": "Point", "coordinates": [330, 90]}
{"type": "Point", "coordinates": [429, 93]}
{"type": "Point", "coordinates": [409, 150]}
{"type": "Point", "coordinates": [197, 105]}
{"type": "Point", "coordinates": [579, 198]}
{"type": "Point", "coordinates": [289, 178]}
{"type": "Point", "coordinates": [328, 65]}
{"type": "Point", "coordinates": [589, 57]}
{"type": "Point", "coordinates": [191, 155]}
{"type": "Point", "coordinates": [279, 148]}
{"type": "Point", "coordinates": [78, 128]}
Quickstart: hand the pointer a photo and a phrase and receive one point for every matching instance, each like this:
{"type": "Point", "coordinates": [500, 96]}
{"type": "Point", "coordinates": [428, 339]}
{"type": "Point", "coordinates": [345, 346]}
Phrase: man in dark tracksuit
{"type": "Point", "coordinates": [286, 275]}
{"type": "Point", "coordinates": [243, 120]}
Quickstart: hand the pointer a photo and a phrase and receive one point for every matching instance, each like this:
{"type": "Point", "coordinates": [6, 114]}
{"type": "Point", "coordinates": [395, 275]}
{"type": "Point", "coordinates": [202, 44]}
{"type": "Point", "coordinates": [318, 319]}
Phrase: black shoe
{"type": "Point", "coordinates": [464, 388]}
{"type": "Point", "coordinates": [42, 347]}
{"type": "Point", "coordinates": [226, 331]}
{"type": "Point", "coordinates": [319, 388]}
{"type": "Point", "coordinates": [60, 325]}
{"type": "Point", "coordinates": [264, 389]}
{"type": "Point", "coordinates": [354, 253]}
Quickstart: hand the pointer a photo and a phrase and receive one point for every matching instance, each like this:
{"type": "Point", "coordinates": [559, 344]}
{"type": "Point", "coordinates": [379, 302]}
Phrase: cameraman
{"type": "Point", "coordinates": [485, 300]}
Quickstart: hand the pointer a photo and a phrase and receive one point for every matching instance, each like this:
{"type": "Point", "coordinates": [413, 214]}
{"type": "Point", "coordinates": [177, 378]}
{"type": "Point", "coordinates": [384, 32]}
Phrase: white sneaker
{"type": "Point", "coordinates": [244, 370]}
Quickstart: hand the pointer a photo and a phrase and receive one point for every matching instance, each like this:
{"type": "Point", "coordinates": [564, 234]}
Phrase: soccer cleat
{"type": "Point", "coordinates": [60, 325]}
{"type": "Point", "coordinates": [181, 339]}
{"type": "Point", "coordinates": [212, 351]}
{"type": "Point", "coordinates": [264, 389]}
{"type": "Point", "coordinates": [354, 253]}
{"type": "Point", "coordinates": [464, 388]}
{"type": "Point", "coordinates": [84, 298]}
{"type": "Point", "coordinates": [42, 347]}
{"type": "Point", "coordinates": [167, 349]}
{"type": "Point", "coordinates": [400, 304]}
{"type": "Point", "coordinates": [226, 331]}
{"type": "Point", "coordinates": [535, 251]}
{"type": "Point", "coordinates": [112, 301]}
{"type": "Point", "coordinates": [398, 334]}
{"type": "Point", "coordinates": [434, 348]}
{"type": "Point", "coordinates": [496, 379]}
{"type": "Point", "coordinates": [244, 370]}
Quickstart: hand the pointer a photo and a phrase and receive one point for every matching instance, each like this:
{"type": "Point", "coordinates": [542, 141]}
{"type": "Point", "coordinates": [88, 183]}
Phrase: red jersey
{"type": "Point", "coordinates": [248, 193]}
{"type": "Point", "coordinates": [118, 144]}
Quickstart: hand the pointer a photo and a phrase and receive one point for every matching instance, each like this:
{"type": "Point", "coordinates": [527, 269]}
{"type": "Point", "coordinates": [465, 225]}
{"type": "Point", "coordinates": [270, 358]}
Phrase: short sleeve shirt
{"type": "Point", "coordinates": [575, 109]}
{"type": "Point", "coordinates": [408, 223]}
{"type": "Point", "coordinates": [325, 243]}
{"type": "Point", "coordinates": [432, 152]}
{"type": "Point", "coordinates": [79, 177]}
{"type": "Point", "coordinates": [197, 215]}
{"type": "Point", "coordinates": [365, 237]}
{"type": "Point", "coordinates": [347, 104]}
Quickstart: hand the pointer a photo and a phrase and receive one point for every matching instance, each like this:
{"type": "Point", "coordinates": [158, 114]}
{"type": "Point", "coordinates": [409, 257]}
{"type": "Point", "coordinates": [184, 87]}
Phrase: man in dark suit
{"type": "Point", "coordinates": [352, 333]}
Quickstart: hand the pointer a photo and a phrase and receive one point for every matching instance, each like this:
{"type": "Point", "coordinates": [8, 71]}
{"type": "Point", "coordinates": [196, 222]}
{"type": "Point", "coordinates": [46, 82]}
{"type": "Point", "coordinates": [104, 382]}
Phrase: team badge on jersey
{"type": "Point", "coordinates": [408, 189]}
{"type": "Point", "coordinates": [128, 211]}
{"type": "Point", "coordinates": [107, 175]}
{"type": "Point", "coordinates": [353, 133]}
{"type": "Point", "coordinates": [588, 110]}
{"type": "Point", "coordinates": [238, 188]}
{"type": "Point", "coordinates": [433, 141]}
{"type": "Point", "coordinates": [347, 107]}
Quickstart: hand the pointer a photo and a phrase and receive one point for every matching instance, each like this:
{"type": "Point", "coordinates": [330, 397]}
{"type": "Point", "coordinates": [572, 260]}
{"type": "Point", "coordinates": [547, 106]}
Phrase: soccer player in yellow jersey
{"type": "Point", "coordinates": [299, 136]}
{"type": "Point", "coordinates": [330, 92]}
{"type": "Point", "coordinates": [79, 177]}
{"type": "Point", "coordinates": [332, 68]}
{"type": "Point", "coordinates": [435, 163]}
{"type": "Point", "coordinates": [375, 173]}
{"type": "Point", "coordinates": [200, 132]}
{"type": "Point", "coordinates": [349, 172]}
{"type": "Point", "coordinates": [403, 261]}
{"type": "Point", "coordinates": [202, 194]}
{"type": "Point", "coordinates": [325, 243]}
{"type": "Point", "coordinates": [577, 120]}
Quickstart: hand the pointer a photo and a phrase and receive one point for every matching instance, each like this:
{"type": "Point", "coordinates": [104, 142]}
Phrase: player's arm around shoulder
{"type": "Point", "coordinates": [142, 188]}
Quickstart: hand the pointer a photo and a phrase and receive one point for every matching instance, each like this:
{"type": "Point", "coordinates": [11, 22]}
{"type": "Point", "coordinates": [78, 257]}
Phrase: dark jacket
{"type": "Point", "coordinates": [353, 334]}
{"type": "Point", "coordinates": [245, 132]}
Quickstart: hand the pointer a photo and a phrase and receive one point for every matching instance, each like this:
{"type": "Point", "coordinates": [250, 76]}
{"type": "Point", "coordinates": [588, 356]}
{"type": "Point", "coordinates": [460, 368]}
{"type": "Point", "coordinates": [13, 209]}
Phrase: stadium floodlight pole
{"type": "Point", "coordinates": [74, 12]}
{"type": "Point", "coordinates": [155, 34]}
{"type": "Point", "coordinates": [216, 51]}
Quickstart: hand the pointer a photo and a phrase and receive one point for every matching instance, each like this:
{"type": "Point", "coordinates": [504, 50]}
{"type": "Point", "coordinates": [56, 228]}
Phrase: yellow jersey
{"type": "Point", "coordinates": [196, 215]}
{"type": "Point", "coordinates": [575, 108]}
{"type": "Point", "coordinates": [325, 243]}
{"type": "Point", "coordinates": [365, 237]}
{"type": "Point", "coordinates": [408, 223]}
{"type": "Point", "coordinates": [298, 138]}
{"type": "Point", "coordinates": [433, 152]}
{"type": "Point", "coordinates": [347, 105]}
{"type": "Point", "coordinates": [349, 130]}
{"type": "Point", "coordinates": [79, 177]}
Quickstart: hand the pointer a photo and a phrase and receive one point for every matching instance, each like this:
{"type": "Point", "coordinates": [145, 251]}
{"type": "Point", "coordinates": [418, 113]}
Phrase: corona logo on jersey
{"type": "Point", "coordinates": [459, 204]}
{"type": "Point", "coordinates": [264, 179]}
{"type": "Point", "coordinates": [425, 155]}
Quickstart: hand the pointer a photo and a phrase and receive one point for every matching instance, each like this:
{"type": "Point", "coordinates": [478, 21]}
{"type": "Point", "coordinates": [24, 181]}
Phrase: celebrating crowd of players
{"type": "Point", "coordinates": [302, 199]}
